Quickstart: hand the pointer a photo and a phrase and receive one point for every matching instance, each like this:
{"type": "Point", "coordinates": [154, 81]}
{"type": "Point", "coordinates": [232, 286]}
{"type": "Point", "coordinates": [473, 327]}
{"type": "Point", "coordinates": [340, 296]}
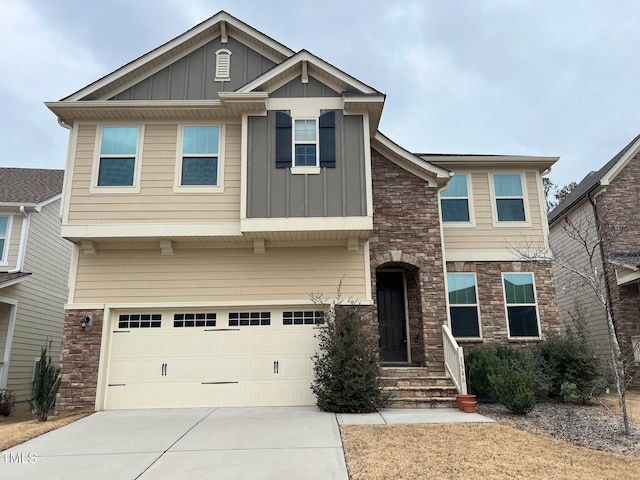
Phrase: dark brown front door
{"type": "Point", "coordinates": [391, 316]}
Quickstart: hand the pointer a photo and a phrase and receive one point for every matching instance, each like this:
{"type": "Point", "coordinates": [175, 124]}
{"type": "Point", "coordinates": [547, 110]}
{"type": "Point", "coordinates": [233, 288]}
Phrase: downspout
{"type": "Point", "coordinates": [604, 269]}
{"type": "Point", "coordinates": [23, 242]}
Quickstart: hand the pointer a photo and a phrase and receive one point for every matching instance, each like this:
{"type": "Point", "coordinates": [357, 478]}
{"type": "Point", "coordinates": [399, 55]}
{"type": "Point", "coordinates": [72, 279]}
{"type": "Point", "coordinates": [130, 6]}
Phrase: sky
{"type": "Point", "coordinates": [523, 77]}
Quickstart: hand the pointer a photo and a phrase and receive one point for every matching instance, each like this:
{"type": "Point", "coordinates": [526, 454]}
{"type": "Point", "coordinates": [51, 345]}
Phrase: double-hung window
{"type": "Point", "coordinates": [509, 197]}
{"type": "Point", "coordinates": [305, 143]}
{"type": "Point", "coordinates": [454, 201]}
{"type": "Point", "coordinates": [118, 156]}
{"type": "Point", "coordinates": [522, 309]}
{"type": "Point", "coordinates": [463, 305]}
{"type": "Point", "coordinates": [200, 160]}
{"type": "Point", "coordinates": [4, 238]}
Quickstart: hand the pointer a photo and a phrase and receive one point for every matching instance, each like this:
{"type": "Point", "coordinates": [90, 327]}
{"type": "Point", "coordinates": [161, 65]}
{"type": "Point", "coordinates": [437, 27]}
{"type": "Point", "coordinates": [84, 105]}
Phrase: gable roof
{"type": "Point", "coordinates": [29, 185]}
{"type": "Point", "coordinates": [594, 179]}
{"type": "Point", "coordinates": [219, 24]}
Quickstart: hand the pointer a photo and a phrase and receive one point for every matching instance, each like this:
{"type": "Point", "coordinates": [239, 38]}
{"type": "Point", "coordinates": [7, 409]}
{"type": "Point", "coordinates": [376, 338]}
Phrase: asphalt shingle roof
{"type": "Point", "coordinates": [29, 185]}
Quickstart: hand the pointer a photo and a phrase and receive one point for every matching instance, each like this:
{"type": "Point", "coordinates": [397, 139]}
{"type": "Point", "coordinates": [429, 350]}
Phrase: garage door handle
{"type": "Point", "coordinates": [276, 366]}
{"type": "Point", "coordinates": [163, 370]}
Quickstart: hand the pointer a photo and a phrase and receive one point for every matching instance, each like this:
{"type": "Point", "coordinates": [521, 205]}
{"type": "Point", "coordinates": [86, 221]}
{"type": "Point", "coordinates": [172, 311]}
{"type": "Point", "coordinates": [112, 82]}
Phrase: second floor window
{"type": "Point", "coordinates": [4, 231]}
{"type": "Point", "coordinates": [200, 152]}
{"type": "Point", "coordinates": [454, 201]}
{"type": "Point", "coordinates": [509, 197]}
{"type": "Point", "coordinates": [118, 150]}
{"type": "Point", "coordinates": [305, 143]}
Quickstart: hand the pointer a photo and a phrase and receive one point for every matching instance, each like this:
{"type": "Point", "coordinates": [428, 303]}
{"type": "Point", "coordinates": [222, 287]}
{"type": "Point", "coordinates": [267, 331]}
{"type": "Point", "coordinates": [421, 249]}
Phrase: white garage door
{"type": "Point", "coordinates": [211, 358]}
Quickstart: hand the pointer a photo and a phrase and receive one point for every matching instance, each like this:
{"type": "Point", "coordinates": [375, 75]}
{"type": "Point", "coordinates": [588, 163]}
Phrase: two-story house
{"type": "Point", "coordinates": [217, 182]}
{"type": "Point", "coordinates": [595, 230]}
{"type": "Point", "coordinates": [34, 269]}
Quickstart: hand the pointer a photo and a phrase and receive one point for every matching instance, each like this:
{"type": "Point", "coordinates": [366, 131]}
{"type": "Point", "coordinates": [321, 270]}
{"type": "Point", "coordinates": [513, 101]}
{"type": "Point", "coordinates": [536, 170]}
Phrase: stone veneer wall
{"type": "Point", "coordinates": [79, 361]}
{"type": "Point", "coordinates": [493, 317]}
{"type": "Point", "coordinates": [618, 209]}
{"type": "Point", "coordinates": [406, 234]}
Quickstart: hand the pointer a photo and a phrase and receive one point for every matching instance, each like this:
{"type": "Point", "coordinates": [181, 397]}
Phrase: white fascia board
{"type": "Point", "coordinates": [142, 230]}
{"type": "Point", "coordinates": [542, 163]}
{"type": "Point", "coordinates": [410, 161]}
{"type": "Point", "coordinates": [55, 107]}
{"type": "Point", "coordinates": [44, 203]}
{"type": "Point", "coordinates": [167, 47]}
{"type": "Point", "coordinates": [626, 276]}
{"type": "Point", "coordinates": [298, 58]}
{"type": "Point", "coordinates": [620, 164]}
{"type": "Point", "coordinates": [306, 224]}
{"type": "Point", "coordinates": [11, 206]}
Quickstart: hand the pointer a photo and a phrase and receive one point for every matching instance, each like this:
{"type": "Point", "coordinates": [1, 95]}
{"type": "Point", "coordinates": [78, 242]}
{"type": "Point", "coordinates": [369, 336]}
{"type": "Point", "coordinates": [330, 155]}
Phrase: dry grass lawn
{"type": "Point", "coordinates": [633, 404]}
{"type": "Point", "coordinates": [491, 451]}
{"type": "Point", "coordinates": [19, 428]}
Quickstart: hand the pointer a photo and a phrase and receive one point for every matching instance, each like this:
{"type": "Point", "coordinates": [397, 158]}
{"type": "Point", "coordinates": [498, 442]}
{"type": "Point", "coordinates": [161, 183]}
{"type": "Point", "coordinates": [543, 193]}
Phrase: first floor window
{"type": "Point", "coordinates": [4, 227]}
{"type": "Point", "coordinates": [463, 304]}
{"type": "Point", "coordinates": [520, 299]}
{"type": "Point", "coordinates": [200, 151]}
{"type": "Point", "coordinates": [509, 197]}
{"type": "Point", "coordinates": [118, 150]}
{"type": "Point", "coordinates": [454, 201]}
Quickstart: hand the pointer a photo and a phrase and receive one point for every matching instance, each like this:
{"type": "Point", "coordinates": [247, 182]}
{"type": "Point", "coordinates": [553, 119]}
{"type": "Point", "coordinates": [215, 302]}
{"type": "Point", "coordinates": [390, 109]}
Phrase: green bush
{"type": "Point", "coordinates": [485, 361]}
{"type": "Point", "coordinates": [513, 387]}
{"type": "Point", "coordinates": [46, 386]}
{"type": "Point", "coordinates": [573, 371]}
{"type": "Point", "coordinates": [346, 368]}
{"type": "Point", "coordinates": [7, 403]}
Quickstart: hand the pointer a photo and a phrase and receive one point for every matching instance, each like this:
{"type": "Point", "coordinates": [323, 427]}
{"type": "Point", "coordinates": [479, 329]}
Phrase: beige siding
{"type": "Point", "coordinates": [484, 236]}
{"type": "Point", "coordinates": [219, 275]}
{"type": "Point", "coordinates": [156, 202]}
{"type": "Point", "coordinates": [574, 298]}
{"type": "Point", "coordinates": [41, 298]}
{"type": "Point", "coordinates": [5, 311]}
{"type": "Point", "coordinates": [14, 242]}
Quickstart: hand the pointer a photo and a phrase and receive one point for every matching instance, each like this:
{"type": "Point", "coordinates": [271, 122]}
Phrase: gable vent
{"type": "Point", "coordinates": [223, 65]}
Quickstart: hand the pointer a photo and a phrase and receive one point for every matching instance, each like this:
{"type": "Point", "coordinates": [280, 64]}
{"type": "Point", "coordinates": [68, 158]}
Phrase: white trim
{"type": "Point", "coordinates": [44, 203]}
{"type": "Point", "coordinates": [9, 340]}
{"type": "Point", "coordinates": [68, 173]}
{"type": "Point", "coordinates": [305, 108]}
{"type": "Point", "coordinates": [105, 354]}
{"type": "Point", "coordinates": [73, 272]}
{"type": "Point", "coordinates": [167, 230]}
{"type": "Point", "coordinates": [244, 153]}
{"type": "Point", "coordinates": [223, 71]}
{"type": "Point", "coordinates": [212, 304]}
{"type": "Point", "coordinates": [542, 205]}
{"type": "Point", "coordinates": [222, 137]}
{"type": "Point", "coordinates": [305, 224]}
{"type": "Point", "coordinates": [367, 163]}
{"type": "Point", "coordinates": [477, 304]}
{"type": "Point", "coordinates": [542, 164]}
{"type": "Point", "coordinates": [469, 255]}
{"type": "Point", "coordinates": [367, 272]}
{"type": "Point", "coordinates": [312, 61]}
{"type": "Point", "coordinates": [506, 305]}
{"type": "Point", "coordinates": [304, 170]}
{"type": "Point", "coordinates": [22, 247]}
{"type": "Point", "coordinates": [137, 172]}
{"type": "Point", "coordinates": [620, 164]}
{"type": "Point", "coordinates": [469, 198]}
{"type": "Point", "coordinates": [525, 201]}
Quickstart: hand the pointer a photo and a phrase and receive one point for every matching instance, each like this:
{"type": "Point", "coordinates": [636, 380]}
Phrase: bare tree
{"type": "Point", "coordinates": [581, 254]}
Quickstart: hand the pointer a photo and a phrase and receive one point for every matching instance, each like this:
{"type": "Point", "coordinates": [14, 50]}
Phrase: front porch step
{"type": "Point", "coordinates": [413, 387]}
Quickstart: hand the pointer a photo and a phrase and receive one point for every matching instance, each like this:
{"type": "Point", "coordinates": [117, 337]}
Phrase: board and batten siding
{"type": "Point", "coordinates": [219, 275]}
{"type": "Point", "coordinates": [156, 202]}
{"type": "Point", "coordinates": [192, 76]}
{"type": "Point", "coordinates": [484, 236]}
{"type": "Point", "coordinates": [334, 192]}
{"type": "Point", "coordinates": [41, 298]}
{"type": "Point", "coordinates": [574, 298]}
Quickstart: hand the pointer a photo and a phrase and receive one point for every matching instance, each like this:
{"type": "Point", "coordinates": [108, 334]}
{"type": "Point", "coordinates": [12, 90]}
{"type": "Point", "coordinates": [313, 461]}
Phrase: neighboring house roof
{"type": "Point", "coordinates": [594, 179]}
{"type": "Point", "coordinates": [29, 186]}
{"type": "Point", "coordinates": [8, 279]}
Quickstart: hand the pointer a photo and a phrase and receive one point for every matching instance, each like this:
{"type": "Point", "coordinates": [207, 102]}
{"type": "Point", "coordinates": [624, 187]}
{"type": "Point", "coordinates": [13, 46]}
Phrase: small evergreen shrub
{"type": "Point", "coordinates": [485, 361]}
{"type": "Point", "coordinates": [45, 387]}
{"type": "Point", "coordinates": [7, 402]}
{"type": "Point", "coordinates": [346, 369]}
{"type": "Point", "coordinates": [573, 371]}
{"type": "Point", "coordinates": [513, 387]}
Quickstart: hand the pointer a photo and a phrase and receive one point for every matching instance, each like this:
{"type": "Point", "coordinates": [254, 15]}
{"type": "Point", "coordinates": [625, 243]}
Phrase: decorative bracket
{"type": "Point", "coordinates": [353, 244]}
{"type": "Point", "coordinates": [88, 247]}
{"type": "Point", "coordinates": [305, 74]}
{"type": "Point", "coordinates": [258, 245]}
{"type": "Point", "coordinates": [223, 32]}
{"type": "Point", "coordinates": [166, 247]}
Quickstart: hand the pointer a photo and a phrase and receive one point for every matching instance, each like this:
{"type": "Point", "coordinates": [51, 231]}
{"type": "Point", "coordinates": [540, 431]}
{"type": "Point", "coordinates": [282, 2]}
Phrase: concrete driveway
{"type": "Point", "coordinates": [225, 443]}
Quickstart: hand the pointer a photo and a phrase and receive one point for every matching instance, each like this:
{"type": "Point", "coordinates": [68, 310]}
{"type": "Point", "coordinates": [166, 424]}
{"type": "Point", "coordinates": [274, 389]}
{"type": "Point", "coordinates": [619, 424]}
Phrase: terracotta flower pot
{"type": "Point", "coordinates": [461, 398]}
{"type": "Point", "coordinates": [469, 406]}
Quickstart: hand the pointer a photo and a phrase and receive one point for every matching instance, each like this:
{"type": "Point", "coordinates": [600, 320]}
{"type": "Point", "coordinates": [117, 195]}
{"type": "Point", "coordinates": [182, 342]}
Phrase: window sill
{"type": "Point", "coordinates": [198, 189]}
{"type": "Point", "coordinates": [524, 339]}
{"type": "Point", "coordinates": [509, 224]}
{"type": "Point", "coordinates": [305, 170]}
{"type": "Point", "coordinates": [115, 190]}
{"type": "Point", "coordinates": [470, 340]}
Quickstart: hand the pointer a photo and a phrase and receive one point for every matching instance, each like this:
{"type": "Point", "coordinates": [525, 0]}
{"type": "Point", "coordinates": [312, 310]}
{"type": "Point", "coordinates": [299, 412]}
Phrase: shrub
{"type": "Point", "coordinates": [485, 361]}
{"type": "Point", "coordinates": [573, 370]}
{"type": "Point", "coordinates": [346, 369]}
{"type": "Point", "coordinates": [45, 387]}
{"type": "Point", "coordinates": [513, 387]}
{"type": "Point", "coordinates": [7, 403]}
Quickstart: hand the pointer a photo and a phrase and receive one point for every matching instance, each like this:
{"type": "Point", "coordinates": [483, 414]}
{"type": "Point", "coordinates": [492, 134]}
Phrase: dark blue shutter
{"type": "Point", "coordinates": [328, 140]}
{"type": "Point", "coordinates": [283, 140]}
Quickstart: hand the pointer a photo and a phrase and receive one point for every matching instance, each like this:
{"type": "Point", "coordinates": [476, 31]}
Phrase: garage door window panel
{"type": "Point", "coordinates": [246, 319]}
{"type": "Point", "coordinates": [140, 320]}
